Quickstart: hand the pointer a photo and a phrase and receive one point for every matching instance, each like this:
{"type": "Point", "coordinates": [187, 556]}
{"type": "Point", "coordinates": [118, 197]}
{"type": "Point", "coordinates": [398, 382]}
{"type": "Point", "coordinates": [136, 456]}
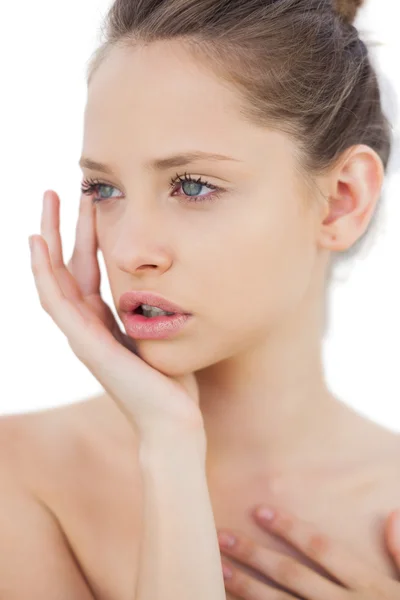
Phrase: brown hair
{"type": "Point", "coordinates": [299, 65]}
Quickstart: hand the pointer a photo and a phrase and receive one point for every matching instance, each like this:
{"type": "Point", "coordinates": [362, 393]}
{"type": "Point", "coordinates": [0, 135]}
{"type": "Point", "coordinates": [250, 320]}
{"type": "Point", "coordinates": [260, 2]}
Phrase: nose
{"type": "Point", "coordinates": [140, 244]}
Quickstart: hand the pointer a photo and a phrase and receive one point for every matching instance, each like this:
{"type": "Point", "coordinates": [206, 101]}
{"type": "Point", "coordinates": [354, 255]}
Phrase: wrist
{"type": "Point", "coordinates": [166, 433]}
{"type": "Point", "coordinates": [170, 444]}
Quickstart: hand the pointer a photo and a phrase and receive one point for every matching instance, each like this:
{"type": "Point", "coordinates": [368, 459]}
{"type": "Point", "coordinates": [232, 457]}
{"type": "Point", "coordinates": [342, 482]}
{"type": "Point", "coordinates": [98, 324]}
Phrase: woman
{"type": "Point", "coordinates": [270, 133]}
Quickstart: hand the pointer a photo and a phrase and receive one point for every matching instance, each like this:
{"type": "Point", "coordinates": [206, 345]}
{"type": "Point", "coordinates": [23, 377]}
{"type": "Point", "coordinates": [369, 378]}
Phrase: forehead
{"type": "Point", "coordinates": [158, 90]}
{"type": "Point", "coordinates": [157, 100]}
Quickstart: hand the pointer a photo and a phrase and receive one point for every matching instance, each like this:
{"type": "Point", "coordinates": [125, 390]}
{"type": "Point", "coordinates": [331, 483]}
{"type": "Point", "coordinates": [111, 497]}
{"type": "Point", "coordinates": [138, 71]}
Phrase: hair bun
{"type": "Point", "coordinates": [347, 9]}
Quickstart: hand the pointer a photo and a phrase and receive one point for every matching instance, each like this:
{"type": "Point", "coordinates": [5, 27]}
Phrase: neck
{"type": "Point", "coordinates": [269, 408]}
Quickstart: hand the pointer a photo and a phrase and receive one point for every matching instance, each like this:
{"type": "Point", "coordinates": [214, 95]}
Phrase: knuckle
{"type": "Point", "coordinates": [241, 584]}
{"type": "Point", "coordinates": [318, 546]}
{"type": "Point", "coordinates": [44, 303]}
{"type": "Point", "coordinates": [284, 525]}
{"type": "Point", "coordinates": [91, 328]}
{"type": "Point", "coordinates": [288, 571]}
{"type": "Point", "coordinates": [246, 549]}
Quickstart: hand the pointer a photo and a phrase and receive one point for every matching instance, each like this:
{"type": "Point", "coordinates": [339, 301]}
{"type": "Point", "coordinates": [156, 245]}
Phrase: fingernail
{"type": "Point", "coordinates": [226, 540]}
{"type": "Point", "coordinates": [265, 513]}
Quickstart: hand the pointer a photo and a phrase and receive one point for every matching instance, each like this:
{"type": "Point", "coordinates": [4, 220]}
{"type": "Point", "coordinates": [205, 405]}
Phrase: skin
{"type": "Point", "coordinates": [352, 578]}
{"type": "Point", "coordinates": [275, 432]}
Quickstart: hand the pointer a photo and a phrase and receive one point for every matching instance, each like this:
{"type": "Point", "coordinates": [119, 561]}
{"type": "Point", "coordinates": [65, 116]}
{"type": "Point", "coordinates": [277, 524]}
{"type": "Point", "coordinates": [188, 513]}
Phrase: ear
{"type": "Point", "coordinates": [352, 190]}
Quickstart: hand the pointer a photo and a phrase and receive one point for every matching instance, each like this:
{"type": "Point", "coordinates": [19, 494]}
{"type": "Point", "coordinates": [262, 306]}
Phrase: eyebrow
{"type": "Point", "coordinates": [161, 164]}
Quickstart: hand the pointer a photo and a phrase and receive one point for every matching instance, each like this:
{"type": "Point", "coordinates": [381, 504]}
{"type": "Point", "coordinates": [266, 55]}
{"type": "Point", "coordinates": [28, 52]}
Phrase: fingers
{"type": "Point", "coordinates": [89, 339]}
{"type": "Point", "coordinates": [50, 225]}
{"type": "Point", "coordinates": [285, 570]}
{"type": "Point", "coordinates": [51, 297]}
{"type": "Point", "coordinates": [59, 293]}
{"type": "Point", "coordinates": [50, 232]}
{"type": "Point", "coordinates": [247, 587]}
{"type": "Point", "coordinates": [84, 263]}
{"type": "Point", "coordinates": [335, 558]}
{"type": "Point", "coordinates": [137, 388]}
{"type": "Point", "coordinates": [56, 284]}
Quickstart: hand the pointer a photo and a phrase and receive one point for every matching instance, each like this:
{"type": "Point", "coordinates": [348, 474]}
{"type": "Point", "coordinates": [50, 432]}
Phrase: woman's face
{"type": "Point", "coordinates": [239, 258]}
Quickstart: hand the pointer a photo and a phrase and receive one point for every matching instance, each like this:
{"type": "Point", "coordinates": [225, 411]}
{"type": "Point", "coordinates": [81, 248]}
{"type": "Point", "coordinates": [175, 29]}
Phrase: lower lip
{"type": "Point", "coordinates": [155, 328]}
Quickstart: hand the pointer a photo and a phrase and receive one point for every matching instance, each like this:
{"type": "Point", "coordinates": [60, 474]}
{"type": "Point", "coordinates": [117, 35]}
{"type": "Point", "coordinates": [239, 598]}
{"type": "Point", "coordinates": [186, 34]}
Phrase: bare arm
{"type": "Point", "coordinates": [179, 555]}
{"type": "Point", "coordinates": [35, 561]}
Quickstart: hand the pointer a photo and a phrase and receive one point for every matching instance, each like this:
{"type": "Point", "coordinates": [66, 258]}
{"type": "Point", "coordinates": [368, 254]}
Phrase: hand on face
{"type": "Point", "coordinates": [71, 296]}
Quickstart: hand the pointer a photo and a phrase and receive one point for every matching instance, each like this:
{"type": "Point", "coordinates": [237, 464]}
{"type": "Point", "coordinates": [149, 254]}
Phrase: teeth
{"type": "Point", "coordinates": [152, 311]}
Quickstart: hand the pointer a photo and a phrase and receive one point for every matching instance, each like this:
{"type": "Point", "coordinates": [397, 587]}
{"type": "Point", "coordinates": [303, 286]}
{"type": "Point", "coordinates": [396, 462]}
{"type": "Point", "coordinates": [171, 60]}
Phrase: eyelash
{"type": "Point", "coordinates": [89, 186]}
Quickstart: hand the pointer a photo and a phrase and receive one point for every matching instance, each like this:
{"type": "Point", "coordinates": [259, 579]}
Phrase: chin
{"type": "Point", "coordinates": [163, 358]}
{"type": "Point", "coordinates": [173, 360]}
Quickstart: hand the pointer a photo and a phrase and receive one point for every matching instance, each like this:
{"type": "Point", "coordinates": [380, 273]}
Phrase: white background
{"type": "Point", "coordinates": [45, 46]}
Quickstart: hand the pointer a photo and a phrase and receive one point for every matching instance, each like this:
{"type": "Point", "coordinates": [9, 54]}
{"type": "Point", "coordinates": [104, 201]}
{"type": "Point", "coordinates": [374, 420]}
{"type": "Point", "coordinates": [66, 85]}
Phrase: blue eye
{"type": "Point", "coordinates": [194, 185]}
{"type": "Point", "coordinates": [92, 187]}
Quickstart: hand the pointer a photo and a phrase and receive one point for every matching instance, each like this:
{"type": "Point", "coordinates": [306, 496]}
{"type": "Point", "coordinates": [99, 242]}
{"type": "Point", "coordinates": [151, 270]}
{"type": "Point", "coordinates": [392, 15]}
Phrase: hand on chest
{"type": "Point", "coordinates": [350, 513]}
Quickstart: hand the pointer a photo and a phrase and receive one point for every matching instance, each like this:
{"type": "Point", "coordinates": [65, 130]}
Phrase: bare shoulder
{"type": "Point", "coordinates": [58, 442]}
{"type": "Point", "coordinates": [70, 481]}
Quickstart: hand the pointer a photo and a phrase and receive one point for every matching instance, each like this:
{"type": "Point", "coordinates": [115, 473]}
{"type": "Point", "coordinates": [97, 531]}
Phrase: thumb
{"type": "Point", "coordinates": [392, 531]}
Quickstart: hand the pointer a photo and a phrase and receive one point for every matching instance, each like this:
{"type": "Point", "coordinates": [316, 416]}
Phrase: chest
{"type": "Point", "coordinates": [350, 509]}
{"type": "Point", "coordinates": [102, 519]}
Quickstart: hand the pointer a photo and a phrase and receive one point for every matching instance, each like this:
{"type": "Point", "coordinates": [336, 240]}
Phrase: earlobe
{"type": "Point", "coordinates": [355, 186]}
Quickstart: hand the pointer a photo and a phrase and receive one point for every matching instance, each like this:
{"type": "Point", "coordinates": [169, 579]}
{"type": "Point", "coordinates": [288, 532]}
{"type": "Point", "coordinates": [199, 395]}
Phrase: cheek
{"type": "Point", "coordinates": [260, 269]}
